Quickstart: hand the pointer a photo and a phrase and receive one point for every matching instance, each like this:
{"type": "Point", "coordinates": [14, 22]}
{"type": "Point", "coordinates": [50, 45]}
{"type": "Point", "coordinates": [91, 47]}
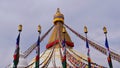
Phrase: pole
{"type": "Point", "coordinates": [107, 49]}
{"type": "Point", "coordinates": [87, 46]}
{"type": "Point", "coordinates": [38, 48]}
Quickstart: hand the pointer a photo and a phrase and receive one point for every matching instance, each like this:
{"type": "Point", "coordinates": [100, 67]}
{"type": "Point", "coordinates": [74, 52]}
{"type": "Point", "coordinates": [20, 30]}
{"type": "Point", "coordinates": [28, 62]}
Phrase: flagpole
{"type": "Point", "coordinates": [64, 63]}
{"type": "Point", "coordinates": [39, 32]}
{"type": "Point", "coordinates": [16, 53]}
{"type": "Point", "coordinates": [87, 46]}
{"type": "Point", "coordinates": [38, 48]}
{"type": "Point", "coordinates": [107, 48]}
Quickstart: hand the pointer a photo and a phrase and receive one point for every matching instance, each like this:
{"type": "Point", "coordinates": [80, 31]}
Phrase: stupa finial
{"type": "Point", "coordinates": [58, 17]}
{"type": "Point", "coordinates": [58, 10]}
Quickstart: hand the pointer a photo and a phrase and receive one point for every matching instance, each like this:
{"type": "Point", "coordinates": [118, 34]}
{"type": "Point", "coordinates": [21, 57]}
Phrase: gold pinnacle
{"type": "Point", "coordinates": [85, 29]}
{"type": "Point", "coordinates": [20, 28]}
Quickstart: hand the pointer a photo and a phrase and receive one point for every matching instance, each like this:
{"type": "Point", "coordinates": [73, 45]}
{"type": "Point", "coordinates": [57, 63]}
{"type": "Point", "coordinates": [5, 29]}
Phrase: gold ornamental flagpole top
{"type": "Point", "coordinates": [63, 30]}
{"type": "Point", "coordinates": [39, 28]}
{"type": "Point", "coordinates": [105, 30]}
{"type": "Point", "coordinates": [20, 28]}
{"type": "Point", "coordinates": [85, 29]}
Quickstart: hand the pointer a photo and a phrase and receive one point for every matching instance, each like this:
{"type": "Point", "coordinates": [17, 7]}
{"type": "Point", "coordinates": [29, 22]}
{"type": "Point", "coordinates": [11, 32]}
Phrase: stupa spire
{"type": "Point", "coordinates": [57, 34]}
{"type": "Point", "coordinates": [58, 10]}
{"type": "Point", "coordinates": [58, 17]}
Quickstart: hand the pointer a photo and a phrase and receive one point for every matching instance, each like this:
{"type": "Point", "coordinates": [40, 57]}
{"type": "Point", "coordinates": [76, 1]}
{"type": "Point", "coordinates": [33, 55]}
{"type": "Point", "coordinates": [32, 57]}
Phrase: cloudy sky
{"type": "Point", "coordinates": [30, 13]}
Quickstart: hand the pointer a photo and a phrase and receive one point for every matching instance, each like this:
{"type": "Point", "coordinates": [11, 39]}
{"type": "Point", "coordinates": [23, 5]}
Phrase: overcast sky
{"type": "Point", "coordinates": [30, 13]}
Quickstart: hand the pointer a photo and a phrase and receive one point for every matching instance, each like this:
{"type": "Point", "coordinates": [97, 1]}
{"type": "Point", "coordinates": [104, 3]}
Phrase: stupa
{"type": "Point", "coordinates": [52, 56]}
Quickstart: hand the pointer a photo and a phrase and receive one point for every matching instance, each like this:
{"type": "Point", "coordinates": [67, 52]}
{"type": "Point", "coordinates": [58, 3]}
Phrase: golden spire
{"type": "Point", "coordinates": [58, 17]}
{"type": "Point", "coordinates": [58, 11]}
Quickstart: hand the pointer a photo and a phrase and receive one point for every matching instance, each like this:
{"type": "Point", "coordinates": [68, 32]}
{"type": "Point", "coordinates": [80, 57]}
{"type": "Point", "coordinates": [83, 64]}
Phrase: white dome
{"type": "Point", "coordinates": [22, 62]}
